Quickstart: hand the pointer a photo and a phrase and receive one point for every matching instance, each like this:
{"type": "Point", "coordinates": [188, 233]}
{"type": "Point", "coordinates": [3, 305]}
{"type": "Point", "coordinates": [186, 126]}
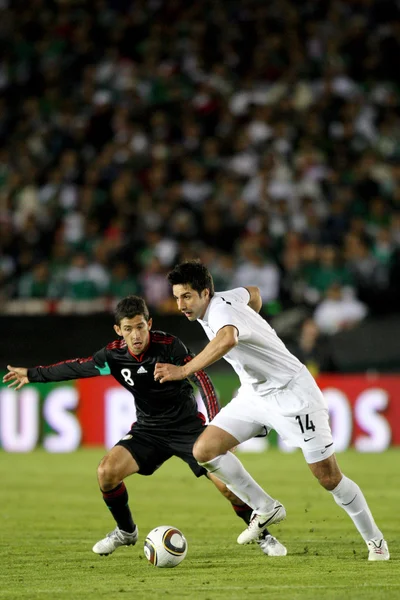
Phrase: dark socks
{"type": "Point", "coordinates": [117, 502]}
{"type": "Point", "coordinates": [244, 512]}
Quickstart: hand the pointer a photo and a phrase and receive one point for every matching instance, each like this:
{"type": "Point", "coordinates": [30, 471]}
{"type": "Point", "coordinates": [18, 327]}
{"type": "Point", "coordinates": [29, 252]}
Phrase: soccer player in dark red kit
{"type": "Point", "coordinates": [168, 419]}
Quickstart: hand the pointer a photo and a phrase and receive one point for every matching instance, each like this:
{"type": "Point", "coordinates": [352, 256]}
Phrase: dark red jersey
{"type": "Point", "coordinates": [164, 405]}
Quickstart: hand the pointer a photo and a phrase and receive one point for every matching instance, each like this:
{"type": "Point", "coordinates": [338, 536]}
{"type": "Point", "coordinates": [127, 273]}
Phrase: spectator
{"type": "Point", "coordinates": [79, 281]}
{"type": "Point", "coordinates": [367, 272]}
{"type": "Point", "coordinates": [195, 187]}
{"type": "Point", "coordinates": [155, 286]}
{"type": "Point", "coordinates": [313, 349]}
{"type": "Point", "coordinates": [327, 272]}
{"type": "Point", "coordinates": [339, 310]}
{"type": "Point", "coordinates": [254, 267]}
{"type": "Point", "coordinates": [36, 283]}
{"type": "Point", "coordinates": [122, 283]}
{"type": "Point", "coordinates": [114, 126]}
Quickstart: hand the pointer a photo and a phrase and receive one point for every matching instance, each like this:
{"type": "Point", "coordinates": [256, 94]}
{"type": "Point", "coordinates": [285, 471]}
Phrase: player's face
{"type": "Point", "coordinates": [136, 333]}
{"type": "Point", "coordinates": [192, 304]}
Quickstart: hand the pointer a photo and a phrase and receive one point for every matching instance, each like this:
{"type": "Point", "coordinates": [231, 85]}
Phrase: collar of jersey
{"type": "Point", "coordinates": [141, 356]}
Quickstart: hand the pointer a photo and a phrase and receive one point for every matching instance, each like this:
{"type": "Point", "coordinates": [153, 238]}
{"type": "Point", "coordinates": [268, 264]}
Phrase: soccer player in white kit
{"type": "Point", "coordinates": [277, 392]}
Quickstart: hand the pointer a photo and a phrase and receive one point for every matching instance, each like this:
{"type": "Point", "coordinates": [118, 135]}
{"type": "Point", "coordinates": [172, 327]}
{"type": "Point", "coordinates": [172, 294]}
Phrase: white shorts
{"type": "Point", "coordinates": [298, 412]}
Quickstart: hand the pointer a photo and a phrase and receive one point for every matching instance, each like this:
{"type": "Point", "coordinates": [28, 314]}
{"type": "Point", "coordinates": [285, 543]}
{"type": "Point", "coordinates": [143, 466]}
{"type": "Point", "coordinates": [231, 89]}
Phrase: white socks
{"type": "Point", "coordinates": [348, 495]}
{"type": "Point", "coordinates": [230, 470]}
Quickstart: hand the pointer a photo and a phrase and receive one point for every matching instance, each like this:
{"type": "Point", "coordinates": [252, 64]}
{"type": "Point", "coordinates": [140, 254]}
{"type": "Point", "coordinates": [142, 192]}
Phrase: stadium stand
{"type": "Point", "coordinates": [262, 137]}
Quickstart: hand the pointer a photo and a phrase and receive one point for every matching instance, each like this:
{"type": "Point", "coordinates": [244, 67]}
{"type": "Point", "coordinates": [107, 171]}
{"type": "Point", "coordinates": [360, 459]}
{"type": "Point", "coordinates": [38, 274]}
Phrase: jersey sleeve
{"type": "Point", "coordinates": [203, 382]}
{"type": "Point", "coordinates": [76, 368]}
{"type": "Point", "coordinates": [223, 313]}
{"type": "Point", "coordinates": [240, 294]}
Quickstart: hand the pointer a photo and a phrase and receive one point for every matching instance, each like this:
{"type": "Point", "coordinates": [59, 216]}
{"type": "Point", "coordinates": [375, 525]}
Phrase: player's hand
{"type": "Point", "coordinates": [17, 377]}
{"type": "Point", "coordinates": [165, 372]}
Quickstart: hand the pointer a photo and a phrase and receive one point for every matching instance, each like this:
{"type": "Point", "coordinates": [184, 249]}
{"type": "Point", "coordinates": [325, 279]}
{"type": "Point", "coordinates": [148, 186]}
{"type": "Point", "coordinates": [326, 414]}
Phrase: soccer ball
{"type": "Point", "coordinates": [165, 546]}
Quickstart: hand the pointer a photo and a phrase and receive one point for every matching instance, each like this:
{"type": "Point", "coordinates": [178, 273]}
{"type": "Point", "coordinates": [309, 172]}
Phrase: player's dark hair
{"type": "Point", "coordinates": [192, 273]}
{"type": "Point", "coordinates": [130, 307]}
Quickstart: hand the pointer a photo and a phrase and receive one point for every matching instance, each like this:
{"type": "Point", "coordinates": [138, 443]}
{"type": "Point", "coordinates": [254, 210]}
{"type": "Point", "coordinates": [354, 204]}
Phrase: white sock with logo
{"type": "Point", "coordinates": [349, 496]}
{"type": "Point", "coordinates": [230, 470]}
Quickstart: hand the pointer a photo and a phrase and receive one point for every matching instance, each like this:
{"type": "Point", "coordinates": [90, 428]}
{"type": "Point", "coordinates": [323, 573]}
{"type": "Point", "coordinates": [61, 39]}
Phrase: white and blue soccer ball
{"type": "Point", "coordinates": [165, 546]}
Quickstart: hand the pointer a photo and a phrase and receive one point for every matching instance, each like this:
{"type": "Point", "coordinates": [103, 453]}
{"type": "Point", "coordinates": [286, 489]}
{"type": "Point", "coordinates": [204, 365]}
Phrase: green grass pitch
{"type": "Point", "coordinates": [52, 513]}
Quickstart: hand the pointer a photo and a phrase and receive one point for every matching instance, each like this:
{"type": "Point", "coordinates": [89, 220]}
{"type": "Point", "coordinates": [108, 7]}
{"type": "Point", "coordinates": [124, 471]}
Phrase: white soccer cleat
{"type": "Point", "coordinates": [271, 546]}
{"type": "Point", "coordinates": [378, 550]}
{"type": "Point", "coordinates": [114, 540]}
{"type": "Point", "coordinates": [260, 522]}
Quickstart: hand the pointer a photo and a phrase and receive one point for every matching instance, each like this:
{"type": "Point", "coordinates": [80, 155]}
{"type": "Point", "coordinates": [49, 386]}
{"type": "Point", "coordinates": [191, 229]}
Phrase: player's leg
{"type": "Point", "coordinates": [137, 452]}
{"type": "Point", "coordinates": [314, 436]}
{"type": "Point", "coordinates": [234, 424]}
{"type": "Point", "coordinates": [268, 543]}
{"type": "Point", "coordinates": [301, 417]}
{"type": "Point", "coordinates": [348, 495]}
{"type": "Point", "coordinates": [211, 451]}
{"type": "Point", "coordinates": [242, 510]}
{"type": "Point", "coordinates": [116, 465]}
{"type": "Point", "coordinates": [182, 446]}
{"type": "Point", "coordinates": [112, 470]}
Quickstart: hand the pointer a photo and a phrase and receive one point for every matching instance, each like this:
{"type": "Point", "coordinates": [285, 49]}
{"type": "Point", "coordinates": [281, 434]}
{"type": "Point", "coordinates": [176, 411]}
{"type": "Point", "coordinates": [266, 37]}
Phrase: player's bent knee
{"type": "Point", "coordinates": [327, 472]}
{"type": "Point", "coordinates": [203, 452]}
{"type": "Point", "coordinates": [329, 480]}
{"type": "Point", "coordinates": [106, 475]}
{"type": "Point", "coordinates": [198, 451]}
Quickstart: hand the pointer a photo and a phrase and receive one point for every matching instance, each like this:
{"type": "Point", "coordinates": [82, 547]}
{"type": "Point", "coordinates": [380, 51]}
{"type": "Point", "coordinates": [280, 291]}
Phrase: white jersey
{"type": "Point", "coordinates": [260, 359]}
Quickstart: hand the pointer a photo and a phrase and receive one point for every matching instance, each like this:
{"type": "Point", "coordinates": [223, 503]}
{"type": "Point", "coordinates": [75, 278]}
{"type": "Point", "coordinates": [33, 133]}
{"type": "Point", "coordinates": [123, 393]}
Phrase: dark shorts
{"type": "Point", "coordinates": [151, 448]}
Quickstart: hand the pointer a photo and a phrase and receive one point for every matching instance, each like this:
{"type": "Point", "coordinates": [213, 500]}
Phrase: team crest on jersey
{"type": "Point", "coordinates": [127, 437]}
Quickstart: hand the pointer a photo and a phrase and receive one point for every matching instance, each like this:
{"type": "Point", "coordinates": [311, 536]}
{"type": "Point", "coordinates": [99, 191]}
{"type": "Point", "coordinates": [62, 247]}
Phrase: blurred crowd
{"type": "Point", "coordinates": [262, 137]}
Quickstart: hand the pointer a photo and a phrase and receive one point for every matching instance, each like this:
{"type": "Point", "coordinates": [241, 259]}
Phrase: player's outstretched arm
{"type": "Point", "coordinates": [16, 377]}
{"type": "Point", "coordinates": [75, 368]}
{"type": "Point", "coordinates": [255, 301]}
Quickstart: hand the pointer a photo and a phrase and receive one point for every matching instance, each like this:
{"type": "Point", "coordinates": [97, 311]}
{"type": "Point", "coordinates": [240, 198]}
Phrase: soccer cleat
{"type": "Point", "coordinates": [378, 550]}
{"type": "Point", "coordinates": [260, 522]}
{"type": "Point", "coordinates": [114, 540]}
{"type": "Point", "coordinates": [271, 546]}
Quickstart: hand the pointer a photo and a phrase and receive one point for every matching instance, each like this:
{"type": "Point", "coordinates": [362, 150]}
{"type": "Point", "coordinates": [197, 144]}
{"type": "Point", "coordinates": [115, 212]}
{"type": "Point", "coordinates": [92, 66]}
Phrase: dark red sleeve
{"type": "Point", "coordinates": [181, 355]}
{"type": "Point", "coordinates": [76, 368]}
{"type": "Point", "coordinates": [207, 391]}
